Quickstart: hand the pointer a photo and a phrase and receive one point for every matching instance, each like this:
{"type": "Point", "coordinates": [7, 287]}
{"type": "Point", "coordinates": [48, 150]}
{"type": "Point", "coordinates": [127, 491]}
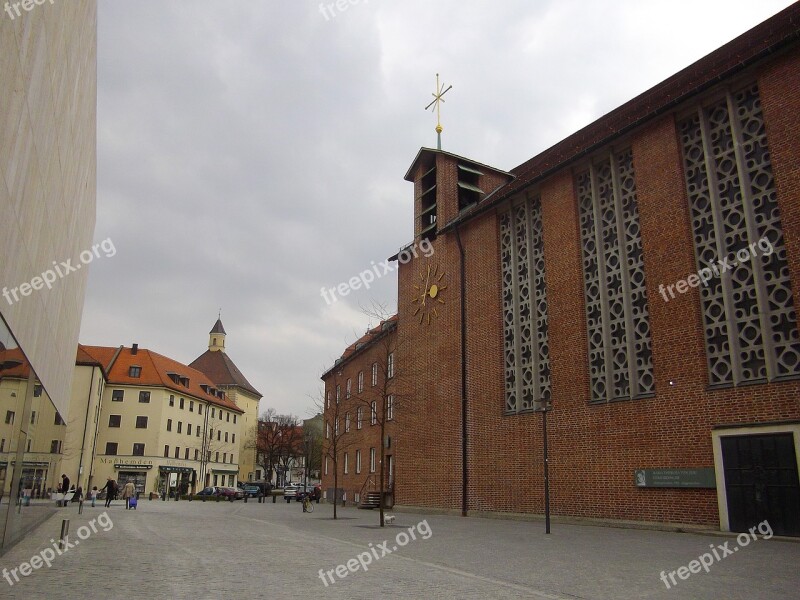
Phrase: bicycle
{"type": "Point", "coordinates": [307, 505]}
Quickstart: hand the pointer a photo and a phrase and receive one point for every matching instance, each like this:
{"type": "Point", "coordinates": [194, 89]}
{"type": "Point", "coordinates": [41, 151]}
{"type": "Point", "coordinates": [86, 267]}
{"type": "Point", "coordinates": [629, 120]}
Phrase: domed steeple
{"type": "Point", "coordinates": [216, 341]}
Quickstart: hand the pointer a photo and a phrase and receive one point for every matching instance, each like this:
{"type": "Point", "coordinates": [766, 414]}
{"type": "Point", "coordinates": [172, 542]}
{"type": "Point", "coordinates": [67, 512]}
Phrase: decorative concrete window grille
{"type": "Point", "coordinates": [526, 349]}
{"type": "Point", "coordinates": [748, 312]}
{"type": "Point", "coordinates": [617, 316]}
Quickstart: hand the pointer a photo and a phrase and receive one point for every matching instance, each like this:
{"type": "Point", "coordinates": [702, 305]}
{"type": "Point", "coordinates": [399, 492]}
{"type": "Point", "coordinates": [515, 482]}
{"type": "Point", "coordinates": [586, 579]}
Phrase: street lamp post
{"type": "Point", "coordinates": [307, 443]}
{"type": "Point", "coordinates": [544, 408]}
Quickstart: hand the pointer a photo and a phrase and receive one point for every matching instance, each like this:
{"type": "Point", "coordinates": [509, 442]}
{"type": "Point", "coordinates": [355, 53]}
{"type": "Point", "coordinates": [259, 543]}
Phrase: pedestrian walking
{"type": "Point", "coordinates": [128, 492]}
{"type": "Point", "coordinates": [93, 495]}
{"type": "Point", "coordinates": [64, 483]}
{"type": "Point", "coordinates": [111, 491]}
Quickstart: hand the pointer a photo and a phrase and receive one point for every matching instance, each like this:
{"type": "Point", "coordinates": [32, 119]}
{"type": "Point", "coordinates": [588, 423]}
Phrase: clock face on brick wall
{"type": "Point", "coordinates": [428, 293]}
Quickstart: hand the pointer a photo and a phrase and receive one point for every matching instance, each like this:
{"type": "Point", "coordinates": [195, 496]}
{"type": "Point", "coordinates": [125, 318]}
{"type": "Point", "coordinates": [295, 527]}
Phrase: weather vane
{"type": "Point", "coordinates": [437, 100]}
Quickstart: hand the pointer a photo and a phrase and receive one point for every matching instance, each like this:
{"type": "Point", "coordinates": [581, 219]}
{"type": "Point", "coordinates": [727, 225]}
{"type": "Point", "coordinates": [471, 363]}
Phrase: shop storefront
{"type": "Point", "coordinates": [180, 479]}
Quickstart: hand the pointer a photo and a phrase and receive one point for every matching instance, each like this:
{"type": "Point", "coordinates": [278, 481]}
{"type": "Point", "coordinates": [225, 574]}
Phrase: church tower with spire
{"type": "Point", "coordinates": [216, 339]}
{"type": "Point", "coordinates": [220, 368]}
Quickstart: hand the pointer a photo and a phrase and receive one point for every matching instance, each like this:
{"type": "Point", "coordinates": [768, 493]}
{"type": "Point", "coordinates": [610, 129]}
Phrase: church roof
{"type": "Point", "coordinates": [218, 328]}
{"type": "Point", "coordinates": [220, 369]}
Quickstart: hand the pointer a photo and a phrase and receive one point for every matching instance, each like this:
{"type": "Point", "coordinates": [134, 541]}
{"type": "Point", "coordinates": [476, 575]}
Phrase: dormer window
{"type": "Point", "coordinates": [134, 371]}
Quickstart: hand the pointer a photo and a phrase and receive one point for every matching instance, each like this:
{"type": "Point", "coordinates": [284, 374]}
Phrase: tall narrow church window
{"type": "Point", "coordinates": [746, 301]}
{"type": "Point", "coordinates": [526, 350]}
{"type": "Point", "coordinates": [617, 316]}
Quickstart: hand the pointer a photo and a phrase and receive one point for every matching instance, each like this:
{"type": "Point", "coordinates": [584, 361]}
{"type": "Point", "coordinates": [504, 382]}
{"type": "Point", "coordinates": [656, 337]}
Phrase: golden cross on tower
{"type": "Point", "coordinates": [437, 100]}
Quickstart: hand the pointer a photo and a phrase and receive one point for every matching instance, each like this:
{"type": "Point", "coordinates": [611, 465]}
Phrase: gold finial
{"type": "Point", "coordinates": [437, 100]}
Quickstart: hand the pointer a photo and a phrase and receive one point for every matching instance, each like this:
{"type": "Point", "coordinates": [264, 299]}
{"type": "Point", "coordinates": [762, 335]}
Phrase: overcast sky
{"type": "Point", "coordinates": [252, 152]}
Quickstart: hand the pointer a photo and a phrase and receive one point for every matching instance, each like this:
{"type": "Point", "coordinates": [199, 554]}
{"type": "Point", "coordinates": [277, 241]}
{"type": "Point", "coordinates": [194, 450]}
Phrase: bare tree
{"type": "Point", "coordinates": [383, 401]}
{"type": "Point", "coordinates": [279, 441]}
{"type": "Point", "coordinates": [334, 442]}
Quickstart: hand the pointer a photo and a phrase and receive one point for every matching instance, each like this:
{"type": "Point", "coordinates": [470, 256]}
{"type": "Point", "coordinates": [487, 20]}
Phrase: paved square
{"type": "Point", "coordinates": [222, 550]}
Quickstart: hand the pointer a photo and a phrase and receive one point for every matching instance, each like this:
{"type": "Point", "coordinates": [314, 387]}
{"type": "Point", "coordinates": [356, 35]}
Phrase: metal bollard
{"type": "Point", "coordinates": [245, 498]}
{"type": "Point", "coordinates": [64, 533]}
{"type": "Point", "coordinates": [80, 507]}
{"type": "Point", "coordinates": [274, 498]}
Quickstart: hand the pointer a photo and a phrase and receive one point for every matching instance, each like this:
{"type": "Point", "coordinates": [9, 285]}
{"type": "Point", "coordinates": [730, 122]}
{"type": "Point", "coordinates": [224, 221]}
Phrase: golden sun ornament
{"type": "Point", "coordinates": [428, 295]}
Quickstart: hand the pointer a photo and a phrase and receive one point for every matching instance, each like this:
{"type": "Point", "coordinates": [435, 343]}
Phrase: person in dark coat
{"type": "Point", "coordinates": [111, 491]}
{"type": "Point", "coordinates": [64, 483]}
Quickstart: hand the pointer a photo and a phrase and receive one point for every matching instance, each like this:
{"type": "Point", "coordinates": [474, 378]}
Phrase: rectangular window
{"type": "Point", "coordinates": [373, 412]}
{"type": "Point", "coordinates": [617, 314]}
{"type": "Point", "coordinates": [347, 423]}
{"type": "Point", "coordinates": [144, 397]}
{"type": "Point", "coordinates": [349, 387]}
{"type": "Point", "coordinates": [177, 451]}
{"type": "Point", "coordinates": [59, 420]}
{"type": "Point", "coordinates": [219, 435]}
{"type": "Point", "coordinates": [37, 391]}
{"type": "Point", "coordinates": [141, 422]}
{"type": "Point", "coordinates": [390, 408]}
{"type": "Point", "coordinates": [216, 457]}
{"type": "Point", "coordinates": [228, 417]}
{"type": "Point", "coordinates": [9, 417]}
{"type": "Point", "coordinates": [327, 431]}
{"type": "Point", "coordinates": [360, 381]}
{"type": "Point", "coordinates": [197, 431]}
{"type": "Point", "coordinates": [527, 361]}
{"type": "Point", "coordinates": [111, 448]}
{"type": "Point", "coordinates": [336, 427]}
{"type": "Point", "coordinates": [114, 420]}
{"type": "Point", "coordinates": [171, 400]}
{"type": "Point", "coordinates": [346, 463]}
{"type": "Point", "coordinates": [390, 365]}
{"type": "Point", "coordinates": [328, 399]}
{"type": "Point", "coordinates": [326, 465]}
{"type": "Point", "coordinates": [169, 424]}
{"type": "Point", "coordinates": [138, 449]}
{"type": "Point", "coordinates": [234, 419]}
{"type": "Point", "coordinates": [196, 454]}
{"type": "Point", "coordinates": [212, 412]}
{"type": "Point", "coordinates": [186, 454]}
{"type": "Point", "coordinates": [55, 447]}
{"type": "Point", "coordinates": [358, 461]}
{"type": "Point", "coordinates": [372, 460]}
{"type": "Point", "coordinates": [191, 405]}
{"type": "Point", "coordinates": [374, 374]}
{"type": "Point", "coordinates": [166, 451]}
{"type": "Point", "coordinates": [181, 404]}
{"type": "Point", "coordinates": [28, 447]}
{"type": "Point", "coordinates": [224, 457]}
{"type": "Point", "coordinates": [117, 395]}
{"type": "Point", "coordinates": [199, 409]}
{"type": "Point", "coordinates": [3, 445]}
{"type": "Point", "coordinates": [180, 426]}
{"type": "Point", "coordinates": [338, 393]}
{"type": "Point", "coordinates": [359, 417]}
{"type": "Point", "coordinates": [746, 300]}
{"type": "Point", "coordinates": [135, 371]}
{"type": "Point", "coordinates": [226, 436]}
{"type": "Point", "coordinates": [33, 417]}
{"type": "Point", "coordinates": [233, 438]}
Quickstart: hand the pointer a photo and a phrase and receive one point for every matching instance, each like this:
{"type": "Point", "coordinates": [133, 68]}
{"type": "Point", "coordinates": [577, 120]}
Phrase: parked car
{"type": "Point", "coordinates": [313, 492]}
{"type": "Point", "coordinates": [253, 488]}
{"type": "Point", "coordinates": [208, 491]}
{"type": "Point", "coordinates": [290, 491]}
{"type": "Point", "coordinates": [230, 493]}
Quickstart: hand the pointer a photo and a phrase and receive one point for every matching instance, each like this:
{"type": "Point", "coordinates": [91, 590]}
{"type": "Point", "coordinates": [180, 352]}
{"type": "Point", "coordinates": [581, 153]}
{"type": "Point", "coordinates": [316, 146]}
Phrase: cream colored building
{"type": "Point", "coordinates": [134, 415]}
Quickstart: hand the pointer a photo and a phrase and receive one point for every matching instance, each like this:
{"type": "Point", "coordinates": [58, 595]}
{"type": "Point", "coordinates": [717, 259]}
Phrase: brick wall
{"type": "Point", "coordinates": [594, 449]}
